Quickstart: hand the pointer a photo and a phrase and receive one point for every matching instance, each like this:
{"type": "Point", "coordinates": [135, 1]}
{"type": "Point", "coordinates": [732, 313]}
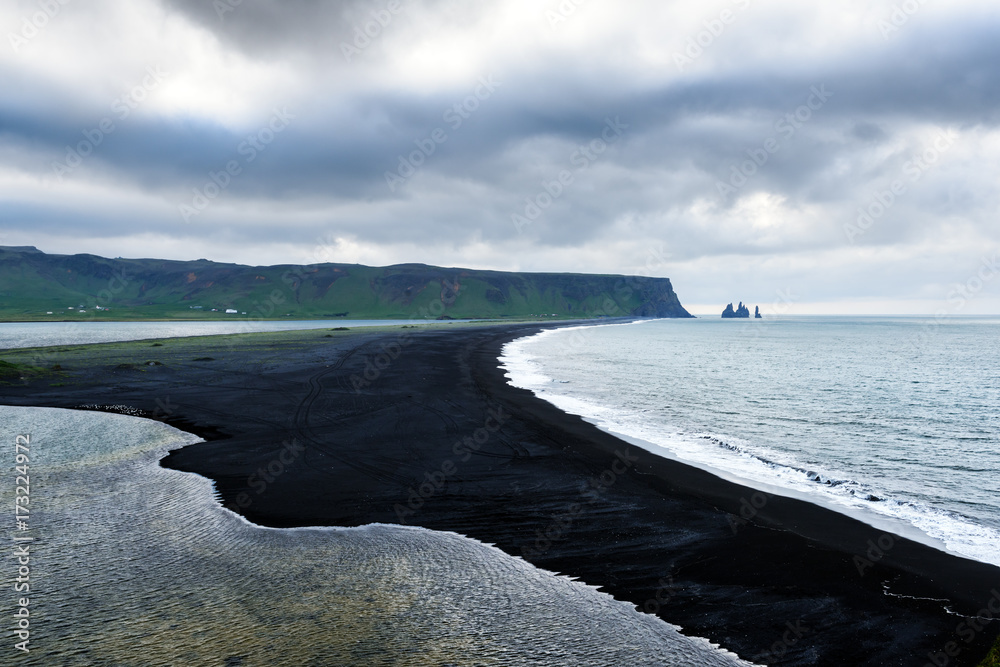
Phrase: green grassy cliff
{"type": "Point", "coordinates": [38, 286]}
{"type": "Point", "coordinates": [993, 659]}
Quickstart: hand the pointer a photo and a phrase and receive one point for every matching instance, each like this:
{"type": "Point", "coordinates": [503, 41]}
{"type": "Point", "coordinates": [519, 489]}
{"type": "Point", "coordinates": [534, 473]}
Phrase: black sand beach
{"type": "Point", "coordinates": [420, 427]}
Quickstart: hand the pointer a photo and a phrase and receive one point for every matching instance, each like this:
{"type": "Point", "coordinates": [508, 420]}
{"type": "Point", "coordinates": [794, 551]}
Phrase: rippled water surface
{"type": "Point", "coordinates": [876, 417]}
{"type": "Point", "coordinates": [134, 564]}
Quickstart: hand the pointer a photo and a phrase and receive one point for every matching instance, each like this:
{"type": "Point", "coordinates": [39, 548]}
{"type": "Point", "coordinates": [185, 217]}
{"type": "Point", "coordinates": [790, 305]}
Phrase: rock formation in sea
{"type": "Point", "coordinates": [756, 313]}
{"type": "Point", "coordinates": [742, 311]}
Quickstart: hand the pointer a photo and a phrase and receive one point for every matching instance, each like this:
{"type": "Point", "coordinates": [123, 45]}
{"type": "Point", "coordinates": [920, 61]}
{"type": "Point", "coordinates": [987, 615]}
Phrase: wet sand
{"type": "Point", "coordinates": [420, 428]}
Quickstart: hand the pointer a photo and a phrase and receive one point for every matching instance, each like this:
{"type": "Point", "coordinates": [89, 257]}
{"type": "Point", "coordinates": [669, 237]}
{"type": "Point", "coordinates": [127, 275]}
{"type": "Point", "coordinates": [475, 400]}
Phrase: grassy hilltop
{"type": "Point", "coordinates": [33, 284]}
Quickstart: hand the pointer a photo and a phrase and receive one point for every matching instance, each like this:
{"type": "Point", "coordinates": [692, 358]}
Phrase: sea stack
{"type": "Point", "coordinates": [756, 313]}
{"type": "Point", "coordinates": [741, 312]}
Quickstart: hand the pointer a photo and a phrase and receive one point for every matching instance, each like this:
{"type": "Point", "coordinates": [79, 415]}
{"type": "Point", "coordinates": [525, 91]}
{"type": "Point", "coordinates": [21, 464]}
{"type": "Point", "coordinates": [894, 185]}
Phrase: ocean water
{"type": "Point", "coordinates": [895, 421]}
{"type": "Point", "coordinates": [40, 334]}
{"type": "Point", "coordinates": [133, 564]}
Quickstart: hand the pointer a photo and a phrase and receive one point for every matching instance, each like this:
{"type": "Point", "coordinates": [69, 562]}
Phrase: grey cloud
{"type": "Point", "coordinates": [685, 135]}
{"type": "Point", "coordinates": [313, 28]}
{"type": "Point", "coordinates": [270, 26]}
{"type": "Point", "coordinates": [868, 132]}
{"type": "Point", "coordinates": [355, 142]}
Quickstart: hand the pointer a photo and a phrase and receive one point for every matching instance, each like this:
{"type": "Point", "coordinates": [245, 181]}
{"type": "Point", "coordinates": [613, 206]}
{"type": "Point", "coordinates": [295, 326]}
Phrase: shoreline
{"type": "Point", "coordinates": [721, 560]}
{"type": "Point", "coordinates": [363, 605]}
{"type": "Point", "coordinates": [884, 523]}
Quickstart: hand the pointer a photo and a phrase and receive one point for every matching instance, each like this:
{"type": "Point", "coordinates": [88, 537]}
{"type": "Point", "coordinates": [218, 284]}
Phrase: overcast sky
{"type": "Point", "coordinates": [841, 157]}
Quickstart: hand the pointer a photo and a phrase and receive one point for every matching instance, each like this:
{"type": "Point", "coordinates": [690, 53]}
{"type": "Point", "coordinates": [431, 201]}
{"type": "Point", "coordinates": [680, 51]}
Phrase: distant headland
{"type": "Point", "coordinates": [36, 286]}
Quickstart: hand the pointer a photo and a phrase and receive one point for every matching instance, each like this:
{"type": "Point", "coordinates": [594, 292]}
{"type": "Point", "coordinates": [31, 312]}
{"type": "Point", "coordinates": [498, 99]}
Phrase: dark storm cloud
{"type": "Point", "coordinates": [349, 146]}
{"type": "Point", "coordinates": [313, 28]}
{"type": "Point", "coordinates": [269, 26]}
{"type": "Point", "coordinates": [945, 75]}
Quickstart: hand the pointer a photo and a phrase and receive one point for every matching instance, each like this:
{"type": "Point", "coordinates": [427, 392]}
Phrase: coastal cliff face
{"type": "Point", "coordinates": [34, 284]}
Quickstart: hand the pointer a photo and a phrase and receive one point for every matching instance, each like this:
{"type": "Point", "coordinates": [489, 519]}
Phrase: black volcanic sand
{"type": "Point", "coordinates": [436, 438]}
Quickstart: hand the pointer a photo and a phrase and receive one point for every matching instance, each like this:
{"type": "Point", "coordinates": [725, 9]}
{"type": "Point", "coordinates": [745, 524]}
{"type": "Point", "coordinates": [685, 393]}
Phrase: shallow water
{"type": "Point", "coordinates": [880, 418]}
{"type": "Point", "coordinates": [41, 334]}
{"type": "Point", "coordinates": [134, 564]}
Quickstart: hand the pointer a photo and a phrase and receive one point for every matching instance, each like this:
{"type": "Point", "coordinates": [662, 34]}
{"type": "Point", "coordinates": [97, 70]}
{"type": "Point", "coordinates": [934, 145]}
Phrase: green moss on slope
{"type": "Point", "coordinates": [38, 286]}
{"type": "Point", "coordinates": [15, 372]}
{"type": "Point", "coordinates": [993, 659]}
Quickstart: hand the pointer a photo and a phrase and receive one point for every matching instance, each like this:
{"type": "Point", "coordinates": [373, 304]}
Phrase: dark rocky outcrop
{"type": "Point", "coordinates": [756, 313]}
{"type": "Point", "coordinates": [741, 312]}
